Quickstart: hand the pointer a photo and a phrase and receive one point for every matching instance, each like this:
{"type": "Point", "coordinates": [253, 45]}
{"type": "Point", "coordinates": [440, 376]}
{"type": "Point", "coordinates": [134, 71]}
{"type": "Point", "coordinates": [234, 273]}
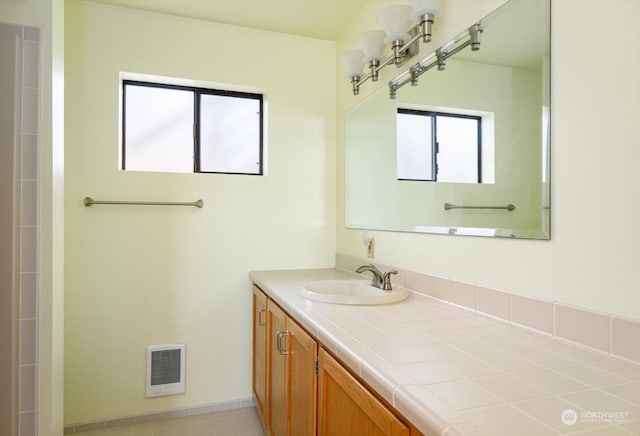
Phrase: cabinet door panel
{"type": "Point", "coordinates": [260, 352]}
{"type": "Point", "coordinates": [278, 374]}
{"type": "Point", "coordinates": [303, 351]}
{"type": "Point", "coordinates": [346, 407]}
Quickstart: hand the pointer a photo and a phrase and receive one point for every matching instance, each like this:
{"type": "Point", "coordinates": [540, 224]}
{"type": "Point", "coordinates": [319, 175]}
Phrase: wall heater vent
{"type": "Point", "coordinates": [165, 370]}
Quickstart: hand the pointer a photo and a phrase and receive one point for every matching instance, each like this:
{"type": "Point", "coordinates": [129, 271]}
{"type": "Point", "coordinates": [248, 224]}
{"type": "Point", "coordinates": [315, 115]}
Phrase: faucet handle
{"type": "Point", "coordinates": [386, 280]}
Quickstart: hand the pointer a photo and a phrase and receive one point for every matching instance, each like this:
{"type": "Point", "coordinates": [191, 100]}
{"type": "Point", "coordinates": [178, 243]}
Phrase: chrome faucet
{"type": "Point", "coordinates": [379, 279]}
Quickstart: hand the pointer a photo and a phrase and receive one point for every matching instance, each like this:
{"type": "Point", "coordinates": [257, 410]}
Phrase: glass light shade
{"type": "Point", "coordinates": [395, 20]}
{"type": "Point", "coordinates": [353, 60]}
{"type": "Point", "coordinates": [372, 44]}
{"type": "Point", "coordinates": [422, 7]}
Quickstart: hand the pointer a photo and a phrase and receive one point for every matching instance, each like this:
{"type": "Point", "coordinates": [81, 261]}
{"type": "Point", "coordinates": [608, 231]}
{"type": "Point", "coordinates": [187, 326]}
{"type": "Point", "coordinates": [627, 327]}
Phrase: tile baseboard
{"type": "Point", "coordinates": [604, 333]}
{"type": "Point", "coordinates": [156, 416]}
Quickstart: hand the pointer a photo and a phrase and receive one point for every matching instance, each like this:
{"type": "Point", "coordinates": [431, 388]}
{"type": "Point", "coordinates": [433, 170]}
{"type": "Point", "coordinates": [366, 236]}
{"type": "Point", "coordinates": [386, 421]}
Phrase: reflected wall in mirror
{"type": "Point", "coordinates": [401, 180]}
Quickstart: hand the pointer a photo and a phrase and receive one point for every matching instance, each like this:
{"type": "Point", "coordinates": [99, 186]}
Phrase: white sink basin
{"type": "Point", "coordinates": [351, 292]}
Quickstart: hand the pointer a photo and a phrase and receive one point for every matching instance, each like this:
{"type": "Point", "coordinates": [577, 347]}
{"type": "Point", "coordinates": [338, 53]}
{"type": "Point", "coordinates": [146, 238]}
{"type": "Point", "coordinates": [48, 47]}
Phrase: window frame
{"type": "Point", "coordinates": [197, 93]}
{"type": "Point", "coordinates": [434, 136]}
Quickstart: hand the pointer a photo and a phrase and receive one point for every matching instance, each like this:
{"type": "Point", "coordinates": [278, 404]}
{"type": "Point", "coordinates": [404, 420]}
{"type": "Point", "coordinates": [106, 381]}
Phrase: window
{"type": "Point", "coordinates": [184, 129]}
{"type": "Point", "coordinates": [439, 147]}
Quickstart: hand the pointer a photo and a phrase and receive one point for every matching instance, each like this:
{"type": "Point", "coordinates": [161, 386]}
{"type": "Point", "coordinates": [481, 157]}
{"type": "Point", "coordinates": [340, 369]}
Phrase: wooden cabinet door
{"type": "Point", "coordinates": [303, 350]}
{"type": "Point", "coordinates": [346, 407]}
{"type": "Point", "coordinates": [277, 384]}
{"type": "Point", "coordinates": [292, 385]}
{"type": "Point", "coordinates": [260, 366]}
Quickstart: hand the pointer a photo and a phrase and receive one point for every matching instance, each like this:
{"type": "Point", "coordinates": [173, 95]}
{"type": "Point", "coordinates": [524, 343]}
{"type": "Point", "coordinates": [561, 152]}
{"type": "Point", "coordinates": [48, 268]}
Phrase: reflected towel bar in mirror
{"type": "Point", "coordinates": [448, 206]}
{"type": "Point", "coordinates": [88, 201]}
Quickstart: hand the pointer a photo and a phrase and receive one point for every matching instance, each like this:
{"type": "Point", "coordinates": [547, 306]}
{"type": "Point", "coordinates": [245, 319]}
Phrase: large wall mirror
{"type": "Point", "coordinates": [466, 151]}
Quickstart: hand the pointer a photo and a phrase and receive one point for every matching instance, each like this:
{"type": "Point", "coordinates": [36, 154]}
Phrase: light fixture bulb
{"type": "Point", "coordinates": [395, 20]}
{"type": "Point", "coordinates": [372, 44]}
{"type": "Point", "coordinates": [423, 7]}
{"type": "Point", "coordinates": [353, 60]}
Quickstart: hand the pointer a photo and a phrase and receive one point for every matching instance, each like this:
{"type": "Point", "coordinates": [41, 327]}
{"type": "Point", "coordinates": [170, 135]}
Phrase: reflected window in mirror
{"type": "Point", "coordinates": [440, 146]}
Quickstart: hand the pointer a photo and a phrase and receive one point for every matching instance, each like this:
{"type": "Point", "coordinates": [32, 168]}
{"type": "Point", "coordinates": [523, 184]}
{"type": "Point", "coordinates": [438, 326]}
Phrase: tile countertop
{"type": "Point", "coordinates": [451, 371]}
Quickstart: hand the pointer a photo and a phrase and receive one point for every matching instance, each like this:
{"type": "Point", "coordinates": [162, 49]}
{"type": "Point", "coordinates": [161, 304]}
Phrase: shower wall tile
{"type": "Point", "coordinates": [27, 424]}
{"type": "Point", "coordinates": [29, 159]}
{"type": "Point", "coordinates": [29, 203]}
{"type": "Point", "coordinates": [31, 34]}
{"type": "Point", "coordinates": [28, 341]}
{"type": "Point", "coordinates": [28, 249]}
{"type": "Point", "coordinates": [30, 62]}
{"type": "Point", "coordinates": [30, 110]}
{"type": "Point", "coordinates": [28, 295]}
{"type": "Point", "coordinates": [27, 390]}
{"type": "Point", "coordinates": [27, 178]}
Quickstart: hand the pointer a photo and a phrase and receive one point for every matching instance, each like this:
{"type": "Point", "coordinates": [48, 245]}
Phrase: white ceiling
{"type": "Point", "coordinates": [324, 19]}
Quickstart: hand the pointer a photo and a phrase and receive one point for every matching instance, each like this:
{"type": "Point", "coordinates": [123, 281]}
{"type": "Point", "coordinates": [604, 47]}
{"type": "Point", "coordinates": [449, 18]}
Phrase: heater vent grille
{"type": "Point", "coordinates": [165, 370]}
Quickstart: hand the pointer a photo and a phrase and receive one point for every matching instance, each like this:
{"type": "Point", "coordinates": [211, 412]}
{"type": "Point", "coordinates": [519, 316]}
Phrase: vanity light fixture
{"type": "Point", "coordinates": [399, 34]}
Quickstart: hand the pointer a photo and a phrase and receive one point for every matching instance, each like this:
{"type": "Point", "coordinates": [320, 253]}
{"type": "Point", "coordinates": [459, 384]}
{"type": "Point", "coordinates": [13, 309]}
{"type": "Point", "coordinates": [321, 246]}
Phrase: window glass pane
{"type": "Point", "coordinates": [158, 129]}
{"type": "Point", "coordinates": [457, 149]}
{"type": "Point", "coordinates": [415, 148]}
{"type": "Point", "coordinates": [229, 134]}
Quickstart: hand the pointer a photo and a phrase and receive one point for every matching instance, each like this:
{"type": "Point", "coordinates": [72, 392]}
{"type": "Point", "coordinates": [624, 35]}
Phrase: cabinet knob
{"type": "Point", "coordinates": [261, 320]}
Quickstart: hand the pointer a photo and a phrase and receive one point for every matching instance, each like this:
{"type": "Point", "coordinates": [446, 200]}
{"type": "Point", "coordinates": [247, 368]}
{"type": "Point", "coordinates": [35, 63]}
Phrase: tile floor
{"type": "Point", "coordinates": [236, 422]}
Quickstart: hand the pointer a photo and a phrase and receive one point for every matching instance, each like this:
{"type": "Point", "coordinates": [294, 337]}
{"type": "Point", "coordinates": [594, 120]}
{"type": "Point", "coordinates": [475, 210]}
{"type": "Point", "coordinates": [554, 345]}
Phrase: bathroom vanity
{"type": "Point", "coordinates": [420, 367]}
{"type": "Point", "coordinates": [298, 384]}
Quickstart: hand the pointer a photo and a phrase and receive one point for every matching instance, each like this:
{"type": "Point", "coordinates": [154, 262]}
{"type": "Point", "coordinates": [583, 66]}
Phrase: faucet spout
{"type": "Point", "coordinates": [379, 280]}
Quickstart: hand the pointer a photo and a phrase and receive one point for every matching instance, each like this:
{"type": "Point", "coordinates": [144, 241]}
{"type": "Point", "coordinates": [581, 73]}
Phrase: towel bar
{"type": "Point", "coordinates": [88, 201]}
